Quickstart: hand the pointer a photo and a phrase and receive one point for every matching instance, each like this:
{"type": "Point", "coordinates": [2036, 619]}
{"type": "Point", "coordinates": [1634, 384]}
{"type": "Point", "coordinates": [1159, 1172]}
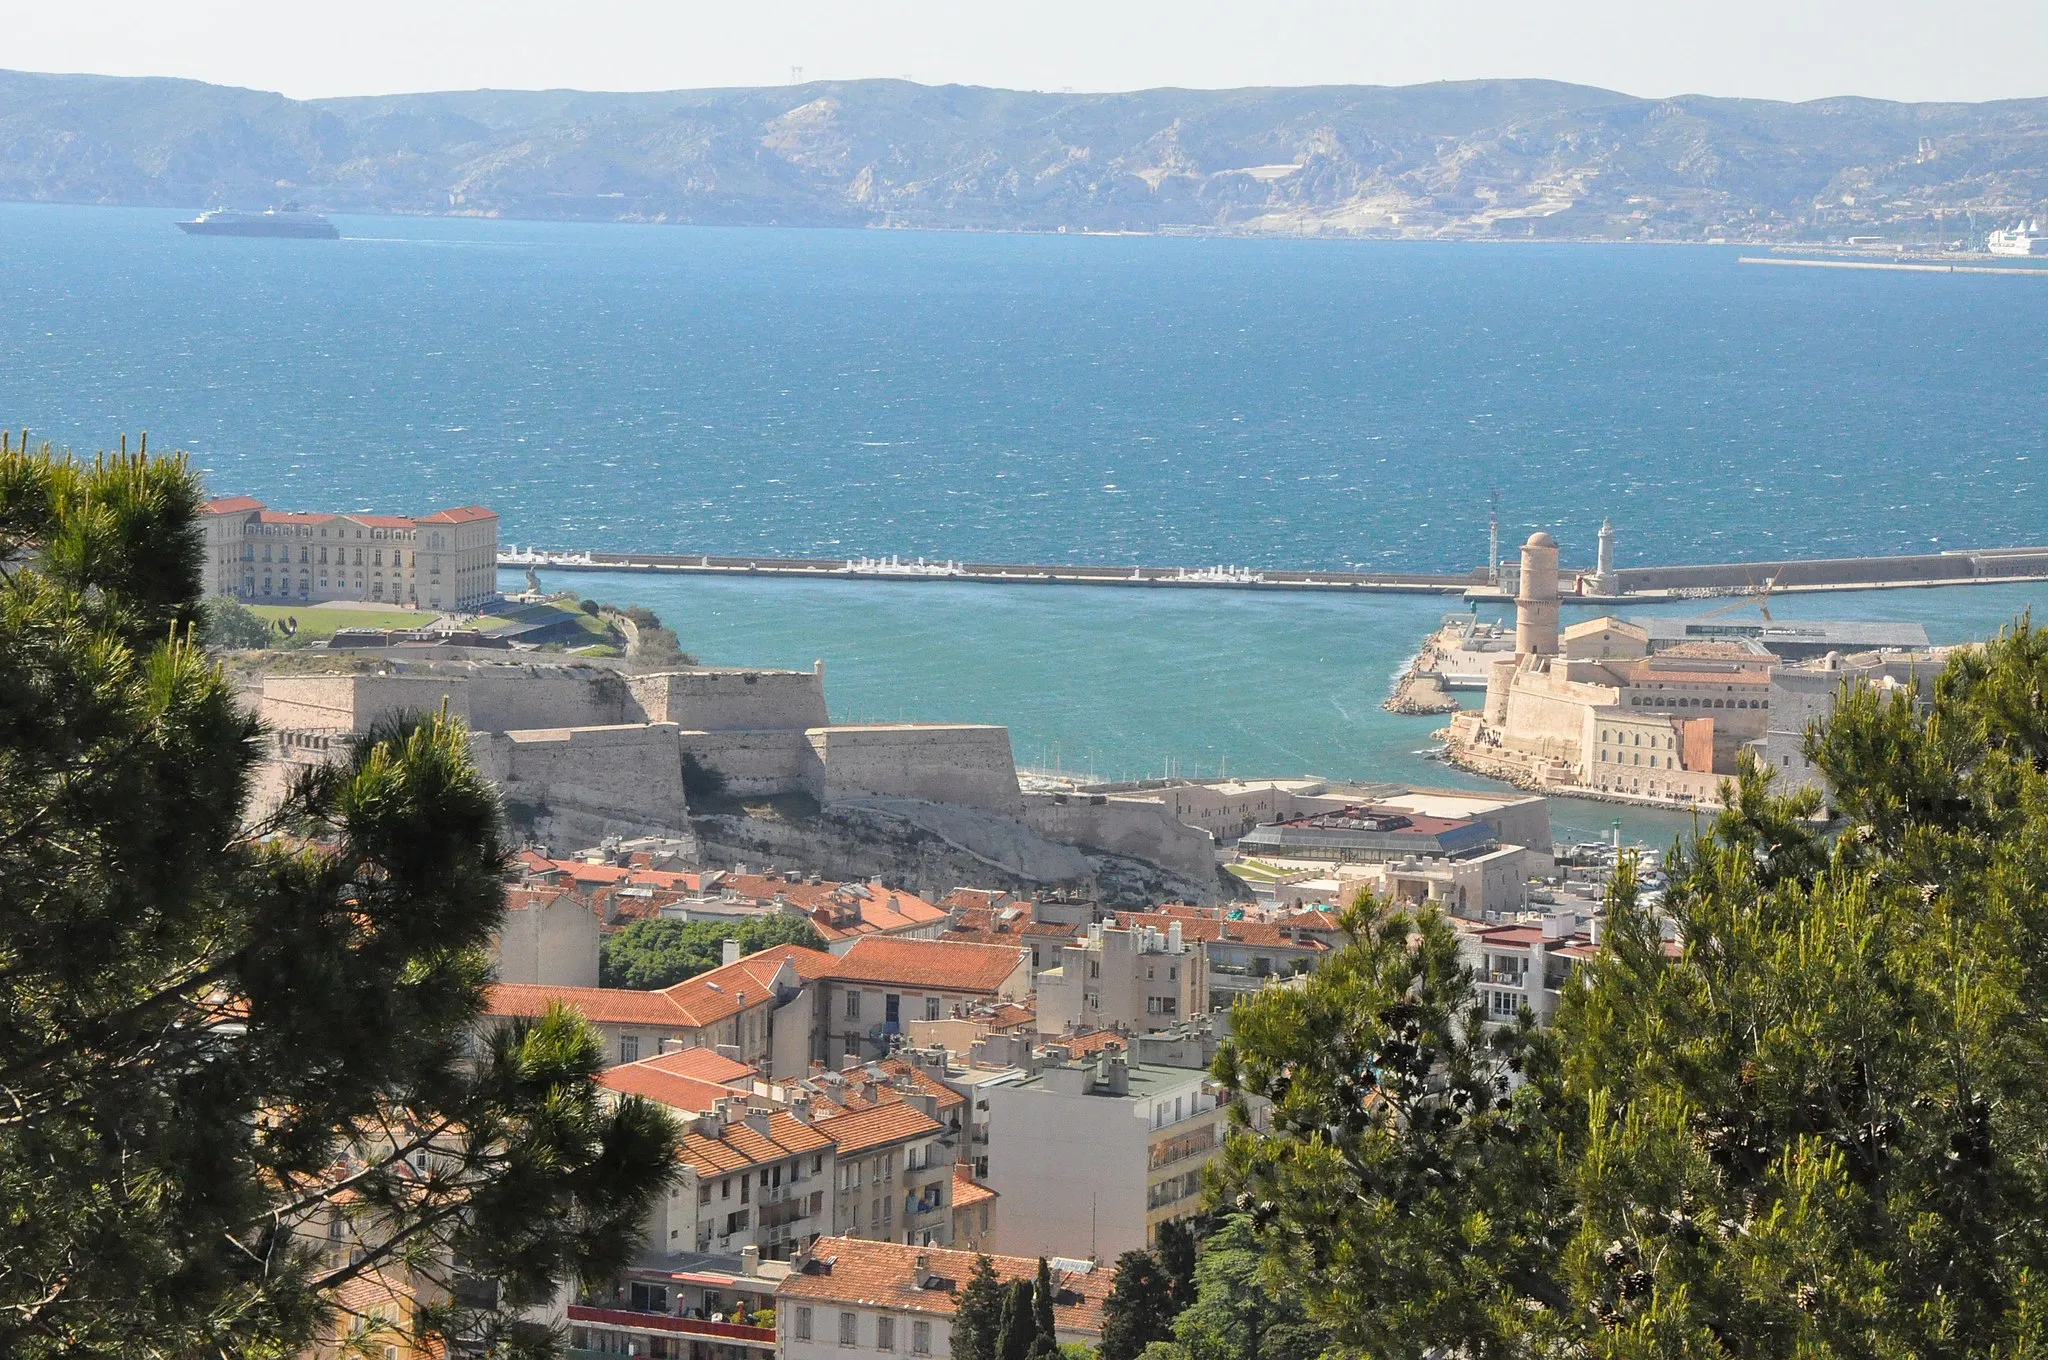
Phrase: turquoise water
{"type": "Point", "coordinates": [1058, 398]}
{"type": "Point", "coordinates": [1118, 681]}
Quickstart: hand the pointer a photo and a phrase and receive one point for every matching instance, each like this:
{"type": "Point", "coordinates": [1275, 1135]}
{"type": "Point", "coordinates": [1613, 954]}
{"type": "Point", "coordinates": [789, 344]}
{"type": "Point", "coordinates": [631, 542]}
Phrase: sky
{"type": "Point", "coordinates": [1777, 49]}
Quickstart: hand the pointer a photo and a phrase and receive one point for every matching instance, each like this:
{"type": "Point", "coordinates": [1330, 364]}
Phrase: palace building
{"type": "Point", "coordinates": [444, 561]}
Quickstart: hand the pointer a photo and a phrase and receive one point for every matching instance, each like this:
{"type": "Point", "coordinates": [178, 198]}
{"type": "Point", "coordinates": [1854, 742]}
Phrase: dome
{"type": "Point", "coordinates": [1539, 539]}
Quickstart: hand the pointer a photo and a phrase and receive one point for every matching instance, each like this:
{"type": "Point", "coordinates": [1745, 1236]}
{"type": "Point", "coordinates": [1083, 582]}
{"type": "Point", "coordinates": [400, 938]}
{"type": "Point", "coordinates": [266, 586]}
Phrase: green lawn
{"type": "Point", "coordinates": [320, 621]}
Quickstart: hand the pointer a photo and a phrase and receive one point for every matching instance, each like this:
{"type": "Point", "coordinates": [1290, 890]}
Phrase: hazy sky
{"type": "Point", "coordinates": [1783, 49]}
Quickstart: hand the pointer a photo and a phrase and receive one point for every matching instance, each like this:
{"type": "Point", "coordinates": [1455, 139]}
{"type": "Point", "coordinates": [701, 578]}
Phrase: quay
{"type": "Point", "coordinates": [1899, 268]}
{"type": "Point", "coordinates": [1607, 585]}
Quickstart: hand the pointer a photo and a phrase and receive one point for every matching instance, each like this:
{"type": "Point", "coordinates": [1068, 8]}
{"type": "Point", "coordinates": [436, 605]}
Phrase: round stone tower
{"type": "Point", "coordinates": [1536, 600]}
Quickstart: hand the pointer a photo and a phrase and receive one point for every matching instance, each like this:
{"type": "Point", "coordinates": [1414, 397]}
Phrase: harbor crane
{"type": "Point", "coordinates": [1752, 596]}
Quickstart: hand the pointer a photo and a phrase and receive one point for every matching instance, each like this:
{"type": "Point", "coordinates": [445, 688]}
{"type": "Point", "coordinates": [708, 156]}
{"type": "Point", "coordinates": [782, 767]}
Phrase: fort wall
{"type": "Point", "coordinates": [578, 785]}
{"type": "Point", "coordinates": [733, 701]}
{"type": "Point", "coordinates": [967, 764]}
{"type": "Point", "coordinates": [1140, 828]}
{"type": "Point", "coordinates": [759, 764]}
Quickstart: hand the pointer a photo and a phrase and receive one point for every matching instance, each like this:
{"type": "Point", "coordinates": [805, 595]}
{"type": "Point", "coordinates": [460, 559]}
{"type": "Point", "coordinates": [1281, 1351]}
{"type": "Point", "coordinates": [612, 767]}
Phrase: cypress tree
{"type": "Point", "coordinates": [1020, 1329]}
{"type": "Point", "coordinates": [1176, 1255]}
{"type": "Point", "coordinates": [1046, 1339]}
{"type": "Point", "coordinates": [978, 1319]}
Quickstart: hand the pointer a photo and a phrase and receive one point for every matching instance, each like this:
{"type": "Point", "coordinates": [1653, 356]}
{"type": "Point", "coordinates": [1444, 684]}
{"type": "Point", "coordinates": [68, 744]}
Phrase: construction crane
{"type": "Point", "coordinates": [1752, 596]}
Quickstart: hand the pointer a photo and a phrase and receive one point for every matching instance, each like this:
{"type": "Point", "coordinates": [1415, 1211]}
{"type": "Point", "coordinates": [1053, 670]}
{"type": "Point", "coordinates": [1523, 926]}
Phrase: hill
{"type": "Point", "coordinates": [1511, 158]}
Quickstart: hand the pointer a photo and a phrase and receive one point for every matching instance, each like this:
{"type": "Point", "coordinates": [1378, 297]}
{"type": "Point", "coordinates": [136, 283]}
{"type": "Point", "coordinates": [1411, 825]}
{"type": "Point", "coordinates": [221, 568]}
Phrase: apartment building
{"type": "Point", "coordinates": [1093, 1155]}
{"type": "Point", "coordinates": [880, 985]}
{"type": "Point", "coordinates": [757, 1008]}
{"type": "Point", "coordinates": [1133, 978]}
{"type": "Point", "coordinates": [895, 1176]}
{"type": "Point", "coordinates": [848, 1298]}
{"type": "Point", "coordinates": [1528, 964]}
{"type": "Point", "coordinates": [1241, 956]}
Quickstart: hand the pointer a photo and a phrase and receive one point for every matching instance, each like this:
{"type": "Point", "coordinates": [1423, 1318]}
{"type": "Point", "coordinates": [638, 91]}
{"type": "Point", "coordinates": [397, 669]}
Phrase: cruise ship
{"type": "Point", "coordinates": [290, 220]}
{"type": "Point", "coordinates": [2024, 239]}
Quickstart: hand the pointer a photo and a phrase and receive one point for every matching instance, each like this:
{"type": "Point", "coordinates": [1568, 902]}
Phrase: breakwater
{"type": "Point", "coordinates": [996, 573]}
{"type": "Point", "coordinates": [1638, 585]}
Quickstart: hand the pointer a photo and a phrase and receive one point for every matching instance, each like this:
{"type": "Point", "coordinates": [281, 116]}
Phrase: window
{"type": "Point", "coordinates": [736, 1221]}
{"type": "Point", "coordinates": [853, 1005]}
{"type": "Point", "coordinates": [629, 1048]}
{"type": "Point", "coordinates": [725, 1188]}
{"type": "Point", "coordinates": [931, 1008]}
{"type": "Point", "coordinates": [802, 1324]}
{"type": "Point", "coordinates": [704, 1193]}
{"type": "Point", "coordinates": [921, 1334]}
{"type": "Point", "coordinates": [849, 1328]}
{"type": "Point", "coordinates": [1094, 968]}
{"type": "Point", "coordinates": [1502, 1005]}
{"type": "Point", "coordinates": [885, 1334]}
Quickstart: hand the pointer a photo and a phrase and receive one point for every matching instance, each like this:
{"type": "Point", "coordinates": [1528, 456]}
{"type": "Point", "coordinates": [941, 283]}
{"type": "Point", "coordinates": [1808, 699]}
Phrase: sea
{"type": "Point", "coordinates": [1061, 398]}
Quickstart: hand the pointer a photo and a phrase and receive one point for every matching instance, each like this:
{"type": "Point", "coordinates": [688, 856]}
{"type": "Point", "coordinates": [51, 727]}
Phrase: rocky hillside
{"type": "Point", "coordinates": [1481, 158]}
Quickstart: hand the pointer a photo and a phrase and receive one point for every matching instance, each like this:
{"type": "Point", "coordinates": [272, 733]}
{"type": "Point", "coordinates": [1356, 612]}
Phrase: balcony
{"type": "Point", "coordinates": [664, 1324]}
{"type": "Point", "coordinates": [1501, 977]}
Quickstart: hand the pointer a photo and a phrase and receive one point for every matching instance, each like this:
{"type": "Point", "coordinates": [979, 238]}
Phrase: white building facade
{"type": "Point", "coordinates": [447, 560]}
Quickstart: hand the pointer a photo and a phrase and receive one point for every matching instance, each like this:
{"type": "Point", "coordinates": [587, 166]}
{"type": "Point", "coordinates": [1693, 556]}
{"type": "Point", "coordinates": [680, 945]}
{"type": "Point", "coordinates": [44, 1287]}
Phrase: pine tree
{"type": "Point", "coordinates": [241, 1065]}
{"type": "Point", "coordinates": [1139, 1309]}
{"type": "Point", "coordinates": [978, 1319]}
{"type": "Point", "coordinates": [1792, 1111]}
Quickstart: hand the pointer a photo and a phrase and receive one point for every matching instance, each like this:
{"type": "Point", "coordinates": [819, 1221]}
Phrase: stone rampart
{"type": "Point", "coordinates": [1139, 828]}
{"type": "Point", "coordinates": [759, 764]}
{"type": "Point", "coordinates": [966, 764]}
{"type": "Point", "coordinates": [489, 698]}
{"type": "Point", "coordinates": [733, 701]}
{"type": "Point", "coordinates": [575, 786]}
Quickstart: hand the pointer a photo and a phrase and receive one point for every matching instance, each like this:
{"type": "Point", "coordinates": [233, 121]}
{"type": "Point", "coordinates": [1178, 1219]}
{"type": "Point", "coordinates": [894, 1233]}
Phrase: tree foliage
{"type": "Point", "coordinates": [1810, 1127]}
{"type": "Point", "coordinates": [978, 1319]}
{"type": "Point", "coordinates": [651, 954]}
{"type": "Point", "coordinates": [1019, 1330]}
{"type": "Point", "coordinates": [236, 1064]}
{"type": "Point", "coordinates": [230, 625]}
{"type": "Point", "coordinates": [1139, 1309]}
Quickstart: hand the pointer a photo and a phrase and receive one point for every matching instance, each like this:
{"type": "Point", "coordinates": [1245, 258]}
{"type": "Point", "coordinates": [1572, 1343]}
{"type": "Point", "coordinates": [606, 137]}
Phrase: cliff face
{"type": "Point", "coordinates": [1479, 158]}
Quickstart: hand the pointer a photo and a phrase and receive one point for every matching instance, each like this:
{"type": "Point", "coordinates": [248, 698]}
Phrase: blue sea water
{"type": "Point", "coordinates": [1057, 398]}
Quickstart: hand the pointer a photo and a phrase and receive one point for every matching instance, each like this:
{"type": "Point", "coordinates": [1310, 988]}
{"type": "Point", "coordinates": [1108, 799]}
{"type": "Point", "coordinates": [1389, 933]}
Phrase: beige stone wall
{"type": "Point", "coordinates": [734, 701]}
{"type": "Point", "coordinates": [572, 787]}
{"type": "Point", "coordinates": [759, 764]}
{"type": "Point", "coordinates": [1137, 827]}
{"type": "Point", "coordinates": [966, 764]}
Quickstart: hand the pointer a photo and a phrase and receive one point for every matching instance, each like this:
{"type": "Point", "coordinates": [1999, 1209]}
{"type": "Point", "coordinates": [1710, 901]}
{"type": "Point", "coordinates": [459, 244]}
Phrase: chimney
{"type": "Point", "coordinates": [757, 1120]}
{"type": "Point", "coordinates": [923, 1269]}
{"type": "Point", "coordinates": [750, 1259]}
{"type": "Point", "coordinates": [729, 953]}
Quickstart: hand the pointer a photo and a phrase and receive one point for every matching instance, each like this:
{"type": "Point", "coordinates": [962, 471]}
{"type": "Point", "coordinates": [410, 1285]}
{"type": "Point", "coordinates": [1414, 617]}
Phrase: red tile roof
{"type": "Point", "coordinates": [881, 1275]}
{"type": "Point", "coordinates": [742, 1146]}
{"type": "Point", "coordinates": [878, 1126]}
{"type": "Point", "coordinates": [937, 965]}
{"type": "Point", "coordinates": [1262, 933]}
{"type": "Point", "coordinates": [705, 1064]}
{"type": "Point", "coordinates": [692, 1004]}
{"type": "Point", "coordinates": [461, 514]}
{"type": "Point", "coordinates": [967, 1191]}
{"type": "Point", "coordinates": [231, 505]}
{"type": "Point", "coordinates": [666, 1088]}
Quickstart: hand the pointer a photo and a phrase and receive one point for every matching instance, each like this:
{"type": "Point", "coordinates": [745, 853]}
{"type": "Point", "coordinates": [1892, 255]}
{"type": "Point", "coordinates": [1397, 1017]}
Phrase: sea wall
{"type": "Point", "coordinates": [967, 764]}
